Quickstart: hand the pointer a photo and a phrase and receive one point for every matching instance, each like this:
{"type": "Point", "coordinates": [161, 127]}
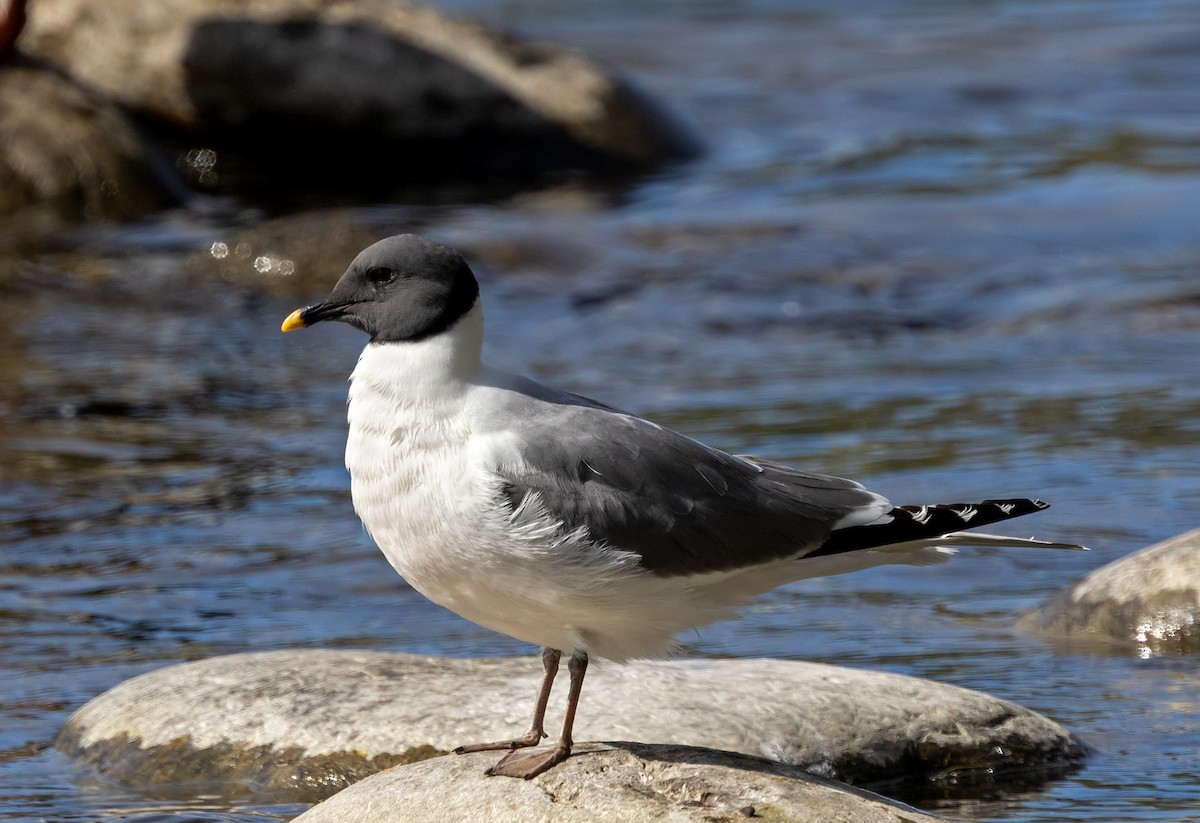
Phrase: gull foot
{"type": "Point", "coordinates": [526, 765]}
{"type": "Point", "coordinates": [531, 738]}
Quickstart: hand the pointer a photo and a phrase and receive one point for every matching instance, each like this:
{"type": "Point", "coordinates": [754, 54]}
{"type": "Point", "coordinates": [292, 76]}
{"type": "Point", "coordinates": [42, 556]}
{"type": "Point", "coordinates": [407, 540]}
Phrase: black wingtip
{"type": "Point", "coordinates": [1026, 505]}
{"type": "Point", "coordinates": [925, 522]}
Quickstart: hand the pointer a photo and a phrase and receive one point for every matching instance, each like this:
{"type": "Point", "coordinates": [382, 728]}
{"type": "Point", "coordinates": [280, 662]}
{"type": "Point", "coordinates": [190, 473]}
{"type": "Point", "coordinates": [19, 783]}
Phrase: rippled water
{"type": "Point", "coordinates": [950, 249]}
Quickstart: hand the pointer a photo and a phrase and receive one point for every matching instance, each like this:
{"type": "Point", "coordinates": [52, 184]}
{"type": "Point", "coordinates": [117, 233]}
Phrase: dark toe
{"type": "Point", "coordinates": [529, 764]}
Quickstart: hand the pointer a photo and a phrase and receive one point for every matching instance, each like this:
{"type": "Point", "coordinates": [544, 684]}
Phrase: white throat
{"type": "Point", "coordinates": [415, 373]}
{"type": "Point", "coordinates": [407, 415]}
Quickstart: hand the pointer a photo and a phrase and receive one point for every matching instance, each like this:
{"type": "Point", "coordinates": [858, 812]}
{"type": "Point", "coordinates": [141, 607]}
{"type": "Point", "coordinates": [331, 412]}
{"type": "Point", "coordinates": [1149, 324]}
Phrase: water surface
{"type": "Point", "coordinates": [949, 249]}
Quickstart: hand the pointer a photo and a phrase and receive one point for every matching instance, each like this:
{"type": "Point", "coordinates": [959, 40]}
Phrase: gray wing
{"type": "Point", "coordinates": [683, 507]}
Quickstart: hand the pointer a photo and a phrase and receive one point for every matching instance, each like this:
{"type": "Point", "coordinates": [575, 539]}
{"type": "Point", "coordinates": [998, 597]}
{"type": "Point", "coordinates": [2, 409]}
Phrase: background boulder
{"type": "Point", "coordinates": [368, 95]}
{"type": "Point", "coordinates": [1147, 601]}
{"type": "Point", "coordinates": [67, 155]}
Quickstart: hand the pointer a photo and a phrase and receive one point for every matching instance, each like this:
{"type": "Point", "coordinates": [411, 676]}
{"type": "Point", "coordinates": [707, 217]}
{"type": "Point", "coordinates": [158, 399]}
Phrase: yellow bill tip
{"type": "Point", "coordinates": [293, 321]}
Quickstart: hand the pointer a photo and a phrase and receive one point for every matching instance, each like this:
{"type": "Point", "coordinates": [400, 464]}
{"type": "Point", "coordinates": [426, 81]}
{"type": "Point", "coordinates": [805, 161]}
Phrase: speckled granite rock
{"type": "Point", "coordinates": [309, 722]}
{"type": "Point", "coordinates": [1148, 601]}
{"type": "Point", "coordinates": [610, 783]}
{"type": "Point", "coordinates": [319, 87]}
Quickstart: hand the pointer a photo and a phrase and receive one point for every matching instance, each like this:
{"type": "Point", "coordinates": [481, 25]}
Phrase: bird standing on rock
{"type": "Point", "coordinates": [563, 522]}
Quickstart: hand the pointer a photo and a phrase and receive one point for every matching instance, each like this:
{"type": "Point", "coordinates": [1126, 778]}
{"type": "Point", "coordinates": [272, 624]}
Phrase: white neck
{"type": "Point", "coordinates": [421, 372]}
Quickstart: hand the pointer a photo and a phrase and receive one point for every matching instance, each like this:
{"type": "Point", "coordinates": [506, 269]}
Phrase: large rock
{"type": "Point", "coordinates": [1147, 602]}
{"type": "Point", "coordinates": [66, 155]}
{"type": "Point", "coordinates": [308, 722]}
{"type": "Point", "coordinates": [609, 783]}
{"type": "Point", "coordinates": [387, 91]}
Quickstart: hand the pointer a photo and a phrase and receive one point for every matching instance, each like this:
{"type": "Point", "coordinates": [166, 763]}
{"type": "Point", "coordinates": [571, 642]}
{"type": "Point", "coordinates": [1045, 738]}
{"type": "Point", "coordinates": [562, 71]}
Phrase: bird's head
{"type": "Point", "coordinates": [404, 288]}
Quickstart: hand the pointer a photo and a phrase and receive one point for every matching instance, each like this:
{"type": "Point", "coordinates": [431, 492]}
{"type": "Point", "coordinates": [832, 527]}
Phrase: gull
{"type": "Point", "coordinates": [564, 522]}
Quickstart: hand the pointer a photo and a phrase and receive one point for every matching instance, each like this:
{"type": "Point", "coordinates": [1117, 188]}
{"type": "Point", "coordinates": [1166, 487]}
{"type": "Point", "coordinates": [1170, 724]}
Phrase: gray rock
{"type": "Point", "coordinates": [305, 723]}
{"type": "Point", "coordinates": [1148, 601]}
{"type": "Point", "coordinates": [388, 89]}
{"type": "Point", "coordinates": [610, 783]}
{"type": "Point", "coordinates": [66, 155]}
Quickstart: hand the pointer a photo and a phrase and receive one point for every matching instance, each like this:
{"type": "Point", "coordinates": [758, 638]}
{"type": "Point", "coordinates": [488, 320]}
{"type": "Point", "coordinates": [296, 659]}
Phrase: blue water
{"type": "Point", "coordinates": [949, 249]}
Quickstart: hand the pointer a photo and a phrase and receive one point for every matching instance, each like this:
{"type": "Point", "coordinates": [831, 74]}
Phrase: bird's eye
{"type": "Point", "coordinates": [380, 275]}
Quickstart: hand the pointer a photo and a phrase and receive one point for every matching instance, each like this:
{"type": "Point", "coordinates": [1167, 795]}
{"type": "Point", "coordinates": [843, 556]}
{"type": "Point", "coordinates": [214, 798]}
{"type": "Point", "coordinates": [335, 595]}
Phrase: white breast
{"type": "Point", "coordinates": [423, 482]}
{"type": "Point", "coordinates": [408, 452]}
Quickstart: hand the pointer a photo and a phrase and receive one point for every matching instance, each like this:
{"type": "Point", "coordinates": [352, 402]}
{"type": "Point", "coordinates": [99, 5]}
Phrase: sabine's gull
{"type": "Point", "coordinates": [564, 522]}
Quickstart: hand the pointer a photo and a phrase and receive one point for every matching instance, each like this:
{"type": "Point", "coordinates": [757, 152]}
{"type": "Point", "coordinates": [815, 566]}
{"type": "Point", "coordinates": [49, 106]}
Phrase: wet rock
{"type": "Point", "coordinates": [308, 722]}
{"type": "Point", "coordinates": [610, 783]}
{"type": "Point", "coordinates": [66, 155]}
{"type": "Point", "coordinates": [1148, 601]}
{"type": "Point", "coordinates": [314, 90]}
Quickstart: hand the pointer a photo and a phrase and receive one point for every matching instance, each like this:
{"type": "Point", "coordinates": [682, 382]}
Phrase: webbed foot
{"type": "Point", "coordinates": [529, 764]}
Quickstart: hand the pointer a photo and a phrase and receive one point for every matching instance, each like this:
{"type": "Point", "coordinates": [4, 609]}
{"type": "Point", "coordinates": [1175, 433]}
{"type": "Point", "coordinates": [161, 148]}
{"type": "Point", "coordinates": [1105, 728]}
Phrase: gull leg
{"type": "Point", "coordinates": [550, 658]}
{"type": "Point", "coordinates": [530, 764]}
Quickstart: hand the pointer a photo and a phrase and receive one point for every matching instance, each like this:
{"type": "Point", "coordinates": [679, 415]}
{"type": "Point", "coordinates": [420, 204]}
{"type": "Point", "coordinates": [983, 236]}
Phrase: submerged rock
{"type": "Point", "coordinates": [388, 93]}
{"type": "Point", "coordinates": [610, 783]}
{"type": "Point", "coordinates": [305, 723]}
{"type": "Point", "coordinates": [1148, 601]}
{"type": "Point", "coordinates": [296, 254]}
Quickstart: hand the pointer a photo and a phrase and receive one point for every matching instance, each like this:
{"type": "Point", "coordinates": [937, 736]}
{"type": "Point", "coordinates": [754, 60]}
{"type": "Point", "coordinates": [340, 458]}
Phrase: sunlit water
{"type": "Point", "coordinates": [948, 249]}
